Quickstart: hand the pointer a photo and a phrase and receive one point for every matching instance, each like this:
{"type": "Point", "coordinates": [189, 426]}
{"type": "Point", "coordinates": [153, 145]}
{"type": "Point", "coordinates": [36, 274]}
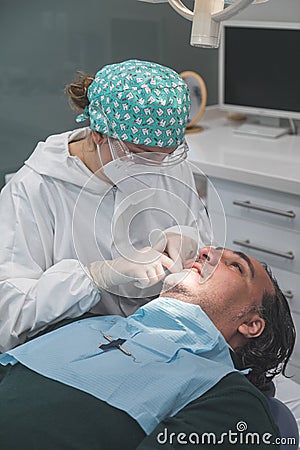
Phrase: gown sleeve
{"type": "Point", "coordinates": [34, 292]}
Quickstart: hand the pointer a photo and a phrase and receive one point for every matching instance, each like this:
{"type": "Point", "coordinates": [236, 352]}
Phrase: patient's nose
{"type": "Point", "coordinates": [211, 255]}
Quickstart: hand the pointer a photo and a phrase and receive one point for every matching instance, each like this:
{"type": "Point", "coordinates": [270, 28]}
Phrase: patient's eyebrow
{"type": "Point", "coordinates": [245, 257]}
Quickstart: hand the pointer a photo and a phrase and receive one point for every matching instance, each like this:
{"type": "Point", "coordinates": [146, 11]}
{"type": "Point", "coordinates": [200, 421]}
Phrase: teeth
{"type": "Point", "coordinates": [194, 269]}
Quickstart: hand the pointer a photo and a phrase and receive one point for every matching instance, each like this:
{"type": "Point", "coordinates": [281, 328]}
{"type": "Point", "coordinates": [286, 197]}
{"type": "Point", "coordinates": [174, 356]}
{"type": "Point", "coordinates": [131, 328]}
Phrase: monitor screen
{"type": "Point", "coordinates": [259, 68]}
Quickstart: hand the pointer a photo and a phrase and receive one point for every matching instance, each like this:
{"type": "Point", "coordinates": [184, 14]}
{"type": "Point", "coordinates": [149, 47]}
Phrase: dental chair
{"type": "Point", "coordinates": [284, 419]}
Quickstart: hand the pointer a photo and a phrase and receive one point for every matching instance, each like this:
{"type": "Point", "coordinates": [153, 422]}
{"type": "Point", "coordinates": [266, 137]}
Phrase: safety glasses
{"type": "Point", "coordinates": [141, 154]}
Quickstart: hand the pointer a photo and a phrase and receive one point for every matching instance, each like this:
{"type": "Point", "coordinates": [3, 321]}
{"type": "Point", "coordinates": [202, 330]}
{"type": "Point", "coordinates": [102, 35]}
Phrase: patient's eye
{"type": "Point", "coordinates": [238, 266]}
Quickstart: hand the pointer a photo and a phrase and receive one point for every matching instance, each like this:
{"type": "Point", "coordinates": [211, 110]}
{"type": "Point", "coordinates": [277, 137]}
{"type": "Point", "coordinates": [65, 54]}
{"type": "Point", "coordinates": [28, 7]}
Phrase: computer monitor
{"type": "Point", "coordinates": [259, 68]}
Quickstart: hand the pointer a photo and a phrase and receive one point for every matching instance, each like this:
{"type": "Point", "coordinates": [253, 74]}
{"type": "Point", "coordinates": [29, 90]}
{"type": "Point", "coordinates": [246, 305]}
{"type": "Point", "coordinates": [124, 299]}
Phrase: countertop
{"type": "Point", "coordinates": [263, 162]}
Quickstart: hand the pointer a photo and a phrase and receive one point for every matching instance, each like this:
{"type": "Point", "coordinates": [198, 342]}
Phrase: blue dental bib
{"type": "Point", "coordinates": [174, 355]}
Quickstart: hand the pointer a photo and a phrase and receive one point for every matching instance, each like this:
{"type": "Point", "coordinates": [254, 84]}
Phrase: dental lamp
{"type": "Point", "coordinates": [206, 17]}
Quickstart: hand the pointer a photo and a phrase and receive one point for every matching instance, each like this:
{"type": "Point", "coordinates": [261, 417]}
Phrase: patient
{"type": "Point", "coordinates": [169, 375]}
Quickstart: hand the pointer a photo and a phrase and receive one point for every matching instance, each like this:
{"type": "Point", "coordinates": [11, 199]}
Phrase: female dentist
{"type": "Point", "coordinates": [83, 204]}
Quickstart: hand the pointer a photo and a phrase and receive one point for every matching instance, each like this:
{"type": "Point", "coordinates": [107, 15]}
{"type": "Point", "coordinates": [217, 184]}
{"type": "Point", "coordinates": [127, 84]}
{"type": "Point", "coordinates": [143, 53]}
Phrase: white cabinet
{"type": "Point", "coordinates": [265, 224]}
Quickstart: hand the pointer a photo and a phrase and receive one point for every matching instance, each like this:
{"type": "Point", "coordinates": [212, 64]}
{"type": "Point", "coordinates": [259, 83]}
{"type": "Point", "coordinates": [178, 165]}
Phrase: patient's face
{"type": "Point", "coordinates": [226, 284]}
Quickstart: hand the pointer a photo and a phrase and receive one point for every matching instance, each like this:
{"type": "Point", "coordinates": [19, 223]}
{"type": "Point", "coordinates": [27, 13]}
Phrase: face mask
{"type": "Point", "coordinates": [163, 157]}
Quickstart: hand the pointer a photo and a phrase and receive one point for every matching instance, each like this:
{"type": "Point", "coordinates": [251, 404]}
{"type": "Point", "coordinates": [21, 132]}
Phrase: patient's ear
{"type": "Point", "coordinates": [253, 327]}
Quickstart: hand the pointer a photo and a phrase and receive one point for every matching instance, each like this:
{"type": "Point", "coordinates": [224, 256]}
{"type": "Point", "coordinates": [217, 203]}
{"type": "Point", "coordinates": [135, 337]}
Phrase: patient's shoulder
{"type": "Point", "coordinates": [227, 415]}
{"type": "Point", "coordinates": [235, 395]}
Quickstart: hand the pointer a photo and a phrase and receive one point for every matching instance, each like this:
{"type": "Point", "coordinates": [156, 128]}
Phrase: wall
{"type": "Point", "coordinates": [43, 44]}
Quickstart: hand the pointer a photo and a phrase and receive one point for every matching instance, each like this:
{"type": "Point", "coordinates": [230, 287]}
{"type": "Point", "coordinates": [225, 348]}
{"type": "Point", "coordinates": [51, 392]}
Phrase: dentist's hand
{"type": "Point", "coordinates": [178, 248]}
{"type": "Point", "coordinates": [143, 268]}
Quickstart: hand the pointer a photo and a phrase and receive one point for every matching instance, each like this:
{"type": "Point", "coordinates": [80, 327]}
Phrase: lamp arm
{"type": "Point", "coordinates": [225, 14]}
{"type": "Point", "coordinates": [231, 10]}
{"type": "Point", "coordinates": [181, 9]}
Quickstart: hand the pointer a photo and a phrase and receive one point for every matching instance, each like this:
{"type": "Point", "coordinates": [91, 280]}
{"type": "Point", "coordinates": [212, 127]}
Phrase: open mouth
{"type": "Point", "coordinates": [196, 267]}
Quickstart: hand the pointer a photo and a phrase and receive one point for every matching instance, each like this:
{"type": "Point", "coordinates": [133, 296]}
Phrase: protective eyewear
{"type": "Point", "coordinates": [141, 155]}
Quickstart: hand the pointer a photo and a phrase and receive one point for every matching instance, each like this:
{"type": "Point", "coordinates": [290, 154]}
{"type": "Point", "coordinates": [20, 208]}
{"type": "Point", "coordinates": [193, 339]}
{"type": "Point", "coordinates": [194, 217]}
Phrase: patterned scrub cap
{"type": "Point", "coordinates": [140, 102]}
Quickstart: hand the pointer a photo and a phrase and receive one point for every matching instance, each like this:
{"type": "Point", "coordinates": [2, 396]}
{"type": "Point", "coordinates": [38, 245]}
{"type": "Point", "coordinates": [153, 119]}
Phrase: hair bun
{"type": "Point", "coordinates": [77, 91]}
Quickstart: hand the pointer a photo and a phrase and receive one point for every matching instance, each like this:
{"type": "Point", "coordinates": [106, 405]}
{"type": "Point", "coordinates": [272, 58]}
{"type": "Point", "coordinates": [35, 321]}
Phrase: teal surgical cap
{"type": "Point", "coordinates": [140, 102]}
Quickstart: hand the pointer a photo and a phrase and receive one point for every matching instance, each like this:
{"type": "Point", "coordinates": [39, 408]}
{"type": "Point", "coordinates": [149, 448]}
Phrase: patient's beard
{"type": "Point", "coordinates": [177, 291]}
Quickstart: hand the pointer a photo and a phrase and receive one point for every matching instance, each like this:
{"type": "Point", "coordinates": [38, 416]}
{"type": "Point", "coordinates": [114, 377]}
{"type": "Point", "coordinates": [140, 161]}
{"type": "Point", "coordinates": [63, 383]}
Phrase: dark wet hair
{"type": "Point", "coordinates": [268, 354]}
